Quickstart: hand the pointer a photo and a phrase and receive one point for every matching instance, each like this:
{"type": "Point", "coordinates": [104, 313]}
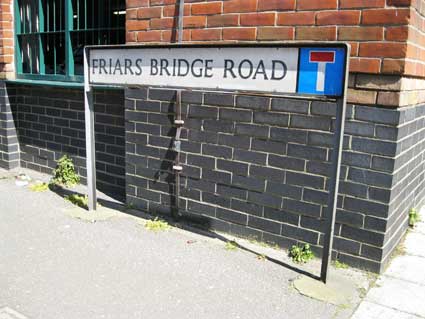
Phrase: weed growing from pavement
{"type": "Point", "coordinates": [39, 187]}
{"type": "Point", "coordinates": [262, 257]}
{"type": "Point", "coordinates": [371, 276]}
{"type": "Point", "coordinates": [78, 200]}
{"type": "Point", "coordinates": [340, 265]}
{"type": "Point", "coordinates": [414, 217]}
{"type": "Point", "coordinates": [400, 250]}
{"type": "Point", "coordinates": [64, 174]}
{"type": "Point", "coordinates": [372, 279]}
{"type": "Point", "coordinates": [362, 292]}
{"type": "Point", "coordinates": [301, 254]}
{"type": "Point", "coordinates": [231, 245]}
{"type": "Point", "coordinates": [157, 225]}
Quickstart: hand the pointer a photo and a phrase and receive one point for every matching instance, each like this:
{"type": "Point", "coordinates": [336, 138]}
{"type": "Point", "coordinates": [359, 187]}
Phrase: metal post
{"type": "Point", "coordinates": [180, 25]}
{"type": "Point", "coordinates": [90, 137]}
{"type": "Point", "coordinates": [334, 181]}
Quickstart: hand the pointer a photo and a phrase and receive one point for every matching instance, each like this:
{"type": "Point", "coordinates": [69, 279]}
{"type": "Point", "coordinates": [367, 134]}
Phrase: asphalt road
{"type": "Point", "coordinates": [55, 266]}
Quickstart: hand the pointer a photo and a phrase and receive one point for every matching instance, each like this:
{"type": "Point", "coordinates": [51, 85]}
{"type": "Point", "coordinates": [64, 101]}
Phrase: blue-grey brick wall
{"type": "Point", "coordinates": [9, 147]}
{"type": "Point", "coordinates": [259, 167]}
{"type": "Point", "coordinates": [408, 189]}
{"type": "Point", "coordinates": [50, 123]}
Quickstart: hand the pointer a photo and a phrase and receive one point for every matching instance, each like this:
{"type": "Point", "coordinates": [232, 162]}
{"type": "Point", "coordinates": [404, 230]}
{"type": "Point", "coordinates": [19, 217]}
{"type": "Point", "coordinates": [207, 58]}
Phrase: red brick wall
{"type": "Point", "coordinates": [6, 37]}
{"type": "Point", "coordinates": [387, 36]}
{"type": "Point", "coordinates": [415, 62]}
{"type": "Point", "coordinates": [377, 29]}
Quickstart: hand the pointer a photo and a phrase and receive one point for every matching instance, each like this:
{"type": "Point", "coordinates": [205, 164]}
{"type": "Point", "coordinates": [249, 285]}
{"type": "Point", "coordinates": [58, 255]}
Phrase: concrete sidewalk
{"type": "Point", "coordinates": [400, 292]}
{"type": "Point", "coordinates": [54, 265]}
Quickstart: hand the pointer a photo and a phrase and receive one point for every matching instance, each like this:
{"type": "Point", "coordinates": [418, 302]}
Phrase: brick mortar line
{"type": "Point", "coordinates": [273, 167]}
{"type": "Point", "coordinates": [362, 257]}
{"type": "Point", "coordinates": [388, 241]}
{"type": "Point", "coordinates": [406, 164]}
{"type": "Point", "coordinates": [400, 125]}
{"type": "Point", "coordinates": [402, 195]}
{"type": "Point", "coordinates": [283, 197]}
{"type": "Point", "coordinates": [297, 172]}
{"type": "Point", "coordinates": [406, 137]}
{"type": "Point", "coordinates": [395, 211]}
{"type": "Point", "coordinates": [249, 215]}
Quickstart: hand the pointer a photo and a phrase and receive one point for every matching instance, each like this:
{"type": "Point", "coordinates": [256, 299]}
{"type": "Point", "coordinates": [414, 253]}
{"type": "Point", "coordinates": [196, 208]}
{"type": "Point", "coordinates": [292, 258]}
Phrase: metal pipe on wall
{"type": "Point", "coordinates": [178, 122]}
{"type": "Point", "coordinates": [180, 23]}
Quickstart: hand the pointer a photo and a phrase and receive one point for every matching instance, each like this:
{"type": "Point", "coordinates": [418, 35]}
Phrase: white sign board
{"type": "Point", "coordinates": [281, 69]}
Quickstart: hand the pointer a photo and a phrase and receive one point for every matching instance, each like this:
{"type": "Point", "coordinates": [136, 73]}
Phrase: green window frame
{"type": "Point", "coordinates": [50, 35]}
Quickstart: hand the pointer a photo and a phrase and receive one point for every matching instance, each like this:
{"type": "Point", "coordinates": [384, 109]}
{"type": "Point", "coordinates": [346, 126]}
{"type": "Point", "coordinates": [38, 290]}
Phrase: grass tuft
{"type": "Point", "coordinates": [130, 206]}
{"type": "Point", "coordinates": [340, 265]}
{"type": "Point", "coordinates": [78, 200]}
{"type": "Point", "coordinates": [414, 217]}
{"type": "Point", "coordinates": [231, 245]}
{"type": "Point", "coordinates": [157, 225]}
{"type": "Point", "coordinates": [39, 187]}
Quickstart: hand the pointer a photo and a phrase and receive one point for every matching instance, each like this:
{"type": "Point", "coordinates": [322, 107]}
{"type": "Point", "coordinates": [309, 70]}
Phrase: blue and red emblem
{"type": "Point", "coordinates": [321, 71]}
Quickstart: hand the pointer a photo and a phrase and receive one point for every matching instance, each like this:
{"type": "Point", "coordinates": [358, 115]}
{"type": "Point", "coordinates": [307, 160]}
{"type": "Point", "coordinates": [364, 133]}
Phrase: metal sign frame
{"type": "Point", "coordinates": [338, 135]}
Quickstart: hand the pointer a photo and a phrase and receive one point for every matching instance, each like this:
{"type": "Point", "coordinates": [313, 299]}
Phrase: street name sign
{"type": "Point", "coordinates": [298, 69]}
{"type": "Point", "coordinates": [310, 70]}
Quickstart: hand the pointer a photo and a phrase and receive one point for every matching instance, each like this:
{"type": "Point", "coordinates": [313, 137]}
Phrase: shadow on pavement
{"type": "Point", "coordinates": [189, 222]}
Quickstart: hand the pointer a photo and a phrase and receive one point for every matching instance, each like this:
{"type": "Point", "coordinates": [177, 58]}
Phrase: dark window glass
{"type": "Point", "coordinates": [51, 46]}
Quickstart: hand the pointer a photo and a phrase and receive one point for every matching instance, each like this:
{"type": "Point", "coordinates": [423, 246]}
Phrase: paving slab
{"type": "Point", "coordinates": [420, 227]}
{"type": "Point", "coordinates": [399, 294]}
{"type": "Point", "coordinates": [409, 268]}
{"type": "Point", "coordinates": [415, 244]}
{"type": "Point", "coordinates": [369, 310]}
{"type": "Point", "coordinates": [56, 264]}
